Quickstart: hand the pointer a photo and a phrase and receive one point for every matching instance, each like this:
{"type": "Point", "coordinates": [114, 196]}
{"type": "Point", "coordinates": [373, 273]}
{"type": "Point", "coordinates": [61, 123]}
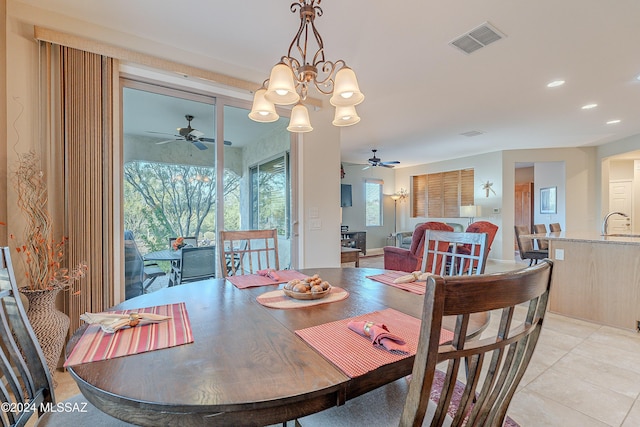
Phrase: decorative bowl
{"type": "Point", "coordinates": [306, 295]}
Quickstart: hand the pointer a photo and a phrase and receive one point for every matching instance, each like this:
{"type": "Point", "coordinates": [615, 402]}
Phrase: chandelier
{"type": "Point", "coordinates": [291, 78]}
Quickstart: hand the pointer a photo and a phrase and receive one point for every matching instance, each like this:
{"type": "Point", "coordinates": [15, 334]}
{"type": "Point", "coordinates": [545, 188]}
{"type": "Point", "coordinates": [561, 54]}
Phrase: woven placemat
{"type": "Point", "coordinates": [253, 280]}
{"type": "Point", "coordinates": [388, 278]}
{"type": "Point", "coordinates": [354, 354]}
{"type": "Point", "coordinates": [277, 299]}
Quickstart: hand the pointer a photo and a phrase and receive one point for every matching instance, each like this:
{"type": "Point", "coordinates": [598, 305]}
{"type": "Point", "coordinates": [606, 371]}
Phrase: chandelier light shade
{"type": "Point", "coordinates": [299, 119]}
{"type": "Point", "coordinates": [291, 78]}
{"type": "Point", "coordinates": [281, 90]}
{"type": "Point", "coordinates": [346, 90]}
{"type": "Point", "coordinates": [262, 110]}
{"type": "Point", "coordinates": [346, 116]}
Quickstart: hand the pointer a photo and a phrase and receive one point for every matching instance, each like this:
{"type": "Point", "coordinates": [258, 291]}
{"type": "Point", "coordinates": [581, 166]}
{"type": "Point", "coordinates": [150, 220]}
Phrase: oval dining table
{"type": "Point", "coordinates": [246, 365]}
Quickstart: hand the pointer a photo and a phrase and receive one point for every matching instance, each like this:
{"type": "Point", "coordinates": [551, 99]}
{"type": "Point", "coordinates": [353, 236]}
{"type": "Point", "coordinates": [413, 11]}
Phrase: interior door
{"type": "Point", "coordinates": [620, 200]}
{"type": "Point", "coordinates": [524, 206]}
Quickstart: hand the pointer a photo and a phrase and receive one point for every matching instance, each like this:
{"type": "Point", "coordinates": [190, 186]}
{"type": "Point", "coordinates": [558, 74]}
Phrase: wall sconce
{"type": "Point", "coordinates": [470, 211]}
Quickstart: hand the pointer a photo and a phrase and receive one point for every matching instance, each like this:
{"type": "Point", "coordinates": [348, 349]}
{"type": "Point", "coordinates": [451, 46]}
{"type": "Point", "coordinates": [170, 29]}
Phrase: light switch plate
{"type": "Point", "coordinates": [559, 254]}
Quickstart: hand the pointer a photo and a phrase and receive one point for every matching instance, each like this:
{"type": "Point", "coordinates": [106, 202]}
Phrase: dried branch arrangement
{"type": "Point", "coordinates": [42, 255]}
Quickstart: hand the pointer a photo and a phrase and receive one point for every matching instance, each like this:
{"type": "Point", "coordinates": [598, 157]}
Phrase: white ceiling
{"type": "Point", "coordinates": [421, 93]}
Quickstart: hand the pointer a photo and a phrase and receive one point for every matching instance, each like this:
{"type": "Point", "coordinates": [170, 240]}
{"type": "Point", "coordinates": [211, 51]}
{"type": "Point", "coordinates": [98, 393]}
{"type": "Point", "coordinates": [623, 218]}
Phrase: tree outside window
{"type": "Point", "coordinates": [373, 202]}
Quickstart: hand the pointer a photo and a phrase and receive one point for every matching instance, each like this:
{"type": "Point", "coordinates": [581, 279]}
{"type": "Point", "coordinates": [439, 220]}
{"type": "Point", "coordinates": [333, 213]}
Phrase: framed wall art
{"type": "Point", "coordinates": [548, 199]}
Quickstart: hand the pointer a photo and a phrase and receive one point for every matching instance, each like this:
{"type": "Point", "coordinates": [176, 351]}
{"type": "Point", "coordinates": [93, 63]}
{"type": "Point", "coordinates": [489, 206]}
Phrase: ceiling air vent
{"type": "Point", "coordinates": [472, 133]}
{"type": "Point", "coordinates": [477, 38]}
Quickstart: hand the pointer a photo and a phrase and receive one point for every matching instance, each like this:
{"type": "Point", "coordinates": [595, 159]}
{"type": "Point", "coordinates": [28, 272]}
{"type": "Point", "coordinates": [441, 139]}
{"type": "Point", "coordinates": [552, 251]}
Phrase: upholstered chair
{"type": "Point", "coordinates": [410, 260]}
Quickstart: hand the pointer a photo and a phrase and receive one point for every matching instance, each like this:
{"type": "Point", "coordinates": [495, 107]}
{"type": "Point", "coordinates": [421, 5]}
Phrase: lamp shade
{"type": "Point", "coordinates": [345, 89]}
{"type": "Point", "coordinates": [299, 119]}
{"type": "Point", "coordinates": [346, 115]}
{"type": "Point", "coordinates": [262, 110]}
{"type": "Point", "coordinates": [469, 211]}
{"type": "Point", "coordinates": [282, 89]}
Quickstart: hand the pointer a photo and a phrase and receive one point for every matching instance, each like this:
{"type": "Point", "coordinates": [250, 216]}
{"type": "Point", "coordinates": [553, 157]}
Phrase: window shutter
{"type": "Point", "coordinates": [418, 195]}
{"type": "Point", "coordinates": [435, 196]}
{"type": "Point", "coordinates": [467, 192]}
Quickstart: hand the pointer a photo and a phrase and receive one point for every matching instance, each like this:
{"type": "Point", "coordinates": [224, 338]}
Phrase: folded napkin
{"type": "Point", "coordinates": [380, 336]}
{"type": "Point", "coordinates": [269, 272]}
{"type": "Point", "coordinates": [111, 322]}
{"type": "Point", "coordinates": [413, 277]}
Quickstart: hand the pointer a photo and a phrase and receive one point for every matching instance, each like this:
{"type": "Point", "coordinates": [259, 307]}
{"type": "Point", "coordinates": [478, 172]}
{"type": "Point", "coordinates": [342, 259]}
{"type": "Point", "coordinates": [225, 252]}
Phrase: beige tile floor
{"type": "Point", "coordinates": [582, 374]}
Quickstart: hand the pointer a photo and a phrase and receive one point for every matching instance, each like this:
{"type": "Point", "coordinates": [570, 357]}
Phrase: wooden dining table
{"type": "Point", "coordinates": [246, 365]}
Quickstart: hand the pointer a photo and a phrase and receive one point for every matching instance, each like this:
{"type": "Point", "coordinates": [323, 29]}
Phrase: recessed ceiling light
{"type": "Point", "coordinates": [589, 106]}
{"type": "Point", "coordinates": [613, 122]}
{"type": "Point", "coordinates": [556, 83]}
{"type": "Point", "coordinates": [638, 77]}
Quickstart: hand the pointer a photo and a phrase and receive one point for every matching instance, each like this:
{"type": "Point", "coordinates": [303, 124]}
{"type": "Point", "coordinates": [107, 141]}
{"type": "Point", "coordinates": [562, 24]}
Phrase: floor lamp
{"type": "Point", "coordinates": [401, 195]}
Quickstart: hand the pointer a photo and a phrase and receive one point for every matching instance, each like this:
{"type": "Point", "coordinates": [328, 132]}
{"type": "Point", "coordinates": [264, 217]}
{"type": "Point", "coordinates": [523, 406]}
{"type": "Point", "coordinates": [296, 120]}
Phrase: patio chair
{"type": "Point", "coordinates": [26, 379]}
{"type": "Point", "coordinates": [435, 396]}
{"type": "Point", "coordinates": [247, 251]}
{"type": "Point", "coordinates": [138, 274]}
{"type": "Point", "coordinates": [196, 264]}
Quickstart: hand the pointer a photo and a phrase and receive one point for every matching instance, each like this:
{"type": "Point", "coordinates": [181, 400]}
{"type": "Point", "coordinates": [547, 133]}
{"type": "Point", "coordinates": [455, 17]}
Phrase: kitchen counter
{"type": "Point", "coordinates": [595, 277]}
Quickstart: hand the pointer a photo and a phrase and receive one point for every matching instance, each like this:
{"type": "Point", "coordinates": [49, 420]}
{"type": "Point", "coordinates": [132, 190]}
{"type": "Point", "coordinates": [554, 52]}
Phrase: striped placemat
{"type": "Point", "coordinates": [388, 277]}
{"type": "Point", "coordinates": [277, 299]}
{"type": "Point", "coordinates": [354, 354]}
{"type": "Point", "coordinates": [97, 345]}
{"type": "Point", "coordinates": [252, 280]}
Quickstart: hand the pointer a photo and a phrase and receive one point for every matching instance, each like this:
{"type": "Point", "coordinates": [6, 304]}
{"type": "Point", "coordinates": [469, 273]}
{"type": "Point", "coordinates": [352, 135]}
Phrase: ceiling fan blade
{"type": "Point", "coordinates": [213, 140]}
{"type": "Point", "coordinates": [167, 141]}
{"type": "Point", "coordinates": [366, 167]}
{"type": "Point", "coordinates": [384, 165]}
{"type": "Point", "coordinates": [390, 162]}
{"type": "Point", "coordinates": [161, 133]}
{"type": "Point", "coordinates": [199, 144]}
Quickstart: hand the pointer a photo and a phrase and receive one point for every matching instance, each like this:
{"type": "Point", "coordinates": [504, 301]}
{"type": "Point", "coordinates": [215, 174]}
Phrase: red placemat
{"type": "Point", "coordinates": [354, 354]}
{"type": "Point", "coordinates": [277, 299]}
{"type": "Point", "coordinates": [251, 280]}
{"type": "Point", "coordinates": [388, 278]}
{"type": "Point", "coordinates": [97, 345]}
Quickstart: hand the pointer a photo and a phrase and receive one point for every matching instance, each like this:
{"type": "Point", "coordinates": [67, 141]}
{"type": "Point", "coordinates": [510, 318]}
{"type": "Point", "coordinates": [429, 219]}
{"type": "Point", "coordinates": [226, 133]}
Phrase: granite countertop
{"type": "Point", "coordinates": [590, 237]}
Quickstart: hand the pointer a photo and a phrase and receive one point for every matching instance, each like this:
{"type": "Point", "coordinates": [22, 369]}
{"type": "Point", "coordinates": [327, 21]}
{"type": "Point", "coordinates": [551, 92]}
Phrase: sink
{"type": "Point", "coordinates": [622, 235]}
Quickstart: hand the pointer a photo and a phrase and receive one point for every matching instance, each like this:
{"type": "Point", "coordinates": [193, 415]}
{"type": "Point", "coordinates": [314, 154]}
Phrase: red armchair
{"type": "Point", "coordinates": [411, 260]}
{"type": "Point", "coordinates": [481, 227]}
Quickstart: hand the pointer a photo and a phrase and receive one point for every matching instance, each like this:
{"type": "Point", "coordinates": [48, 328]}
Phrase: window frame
{"type": "Point", "coordinates": [379, 201]}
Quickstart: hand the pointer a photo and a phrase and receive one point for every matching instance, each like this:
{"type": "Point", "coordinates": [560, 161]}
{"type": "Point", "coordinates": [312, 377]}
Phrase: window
{"type": "Point", "coordinates": [440, 195]}
{"type": "Point", "coordinates": [270, 195]}
{"type": "Point", "coordinates": [373, 202]}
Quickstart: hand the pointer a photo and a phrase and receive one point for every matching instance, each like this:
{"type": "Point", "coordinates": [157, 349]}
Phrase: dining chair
{"type": "Point", "coordinates": [555, 227]}
{"type": "Point", "coordinates": [525, 246]}
{"type": "Point", "coordinates": [434, 395]}
{"type": "Point", "coordinates": [541, 229]}
{"type": "Point", "coordinates": [450, 253]}
{"type": "Point", "coordinates": [196, 264]}
{"type": "Point", "coordinates": [26, 381]}
{"type": "Point", "coordinates": [247, 251]}
{"type": "Point", "coordinates": [482, 227]}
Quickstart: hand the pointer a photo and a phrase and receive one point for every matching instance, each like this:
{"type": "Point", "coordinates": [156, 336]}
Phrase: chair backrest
{"type": "Point", "coordinates": [189, 241]}
{"type": "Point", "coordinates": [524, 245]}
{"type": "Point", "coordinates": [555, 227]}
{"type": "Point", "coordinates": [133, 270]}
{"type": "Point", "coordinates": [449, 253]}
{"type": "Point", "coordinates": [521, 297]}
{"type": "Point", "coordinates": [418, 239]}
{"type": "Point", "coordinates": [247, 251]}
{"type": "Point", "coordinates": [26, 381]}
{"type": "Point", "coordinates": [197, 264]}
{"type": "Point", "coordinates": [541, 229]}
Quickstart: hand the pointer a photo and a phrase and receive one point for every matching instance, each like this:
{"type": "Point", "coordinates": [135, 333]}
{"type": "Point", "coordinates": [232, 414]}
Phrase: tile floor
{"type": "Point", "coordinates": [582, 374]}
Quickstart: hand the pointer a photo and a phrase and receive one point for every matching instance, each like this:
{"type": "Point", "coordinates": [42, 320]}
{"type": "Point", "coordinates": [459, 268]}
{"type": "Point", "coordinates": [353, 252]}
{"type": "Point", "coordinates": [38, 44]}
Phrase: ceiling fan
{"type": "Point", "coordinates": [189, 134]}
{"type": "Point", "coordinates": [375, 161]}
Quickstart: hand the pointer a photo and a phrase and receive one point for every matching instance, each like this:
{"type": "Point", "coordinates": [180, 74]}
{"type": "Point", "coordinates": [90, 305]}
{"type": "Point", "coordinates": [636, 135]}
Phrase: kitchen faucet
{"type": "Point", "coordinates": [606, 220]}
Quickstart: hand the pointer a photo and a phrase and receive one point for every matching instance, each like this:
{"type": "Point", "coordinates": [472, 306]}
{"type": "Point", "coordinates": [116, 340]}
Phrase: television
{"type": "Point", "coordinates": [345, 195]}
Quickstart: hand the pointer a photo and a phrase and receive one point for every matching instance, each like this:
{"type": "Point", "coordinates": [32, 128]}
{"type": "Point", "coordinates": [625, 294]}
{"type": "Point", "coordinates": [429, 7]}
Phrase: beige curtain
{"type": "Point", "coordinates": [78, 145]}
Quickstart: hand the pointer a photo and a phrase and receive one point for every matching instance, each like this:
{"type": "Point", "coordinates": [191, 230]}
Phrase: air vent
{"type": "Point", "coordinates": [472, 133]}
{"type": "Point", "coordinates": [477, 38]}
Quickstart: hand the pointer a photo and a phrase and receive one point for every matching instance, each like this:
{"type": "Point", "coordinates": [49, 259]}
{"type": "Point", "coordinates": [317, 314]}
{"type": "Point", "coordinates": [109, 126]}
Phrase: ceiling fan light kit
{"type": "Point", "coordinates": [290, 78]}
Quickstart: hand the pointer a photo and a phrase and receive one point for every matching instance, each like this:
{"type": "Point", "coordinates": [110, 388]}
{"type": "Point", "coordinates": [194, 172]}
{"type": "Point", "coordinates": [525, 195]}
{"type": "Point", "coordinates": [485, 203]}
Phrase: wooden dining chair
{"type": "Point", "coordinates": [541, 229]}
{"type": "Point", "coordinates": [525, 246]}
{"type": "Point", "coordinates": [196, 264]}
{"type": "Point", "coordinates": [26, 381]}
{"type": "Point", "coordinates": [434, 395]}
{"type": "Point", "coordinates": [247, 251]}
{"type": "Point", "coordinates": [555, 227]}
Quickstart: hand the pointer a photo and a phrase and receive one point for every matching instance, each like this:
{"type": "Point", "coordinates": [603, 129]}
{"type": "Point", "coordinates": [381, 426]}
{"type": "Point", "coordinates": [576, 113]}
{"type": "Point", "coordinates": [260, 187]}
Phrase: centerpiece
{"type": "Point", "coordinates": [43, 256]}
{"type": "Point", "coordinates": [178, 243]}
